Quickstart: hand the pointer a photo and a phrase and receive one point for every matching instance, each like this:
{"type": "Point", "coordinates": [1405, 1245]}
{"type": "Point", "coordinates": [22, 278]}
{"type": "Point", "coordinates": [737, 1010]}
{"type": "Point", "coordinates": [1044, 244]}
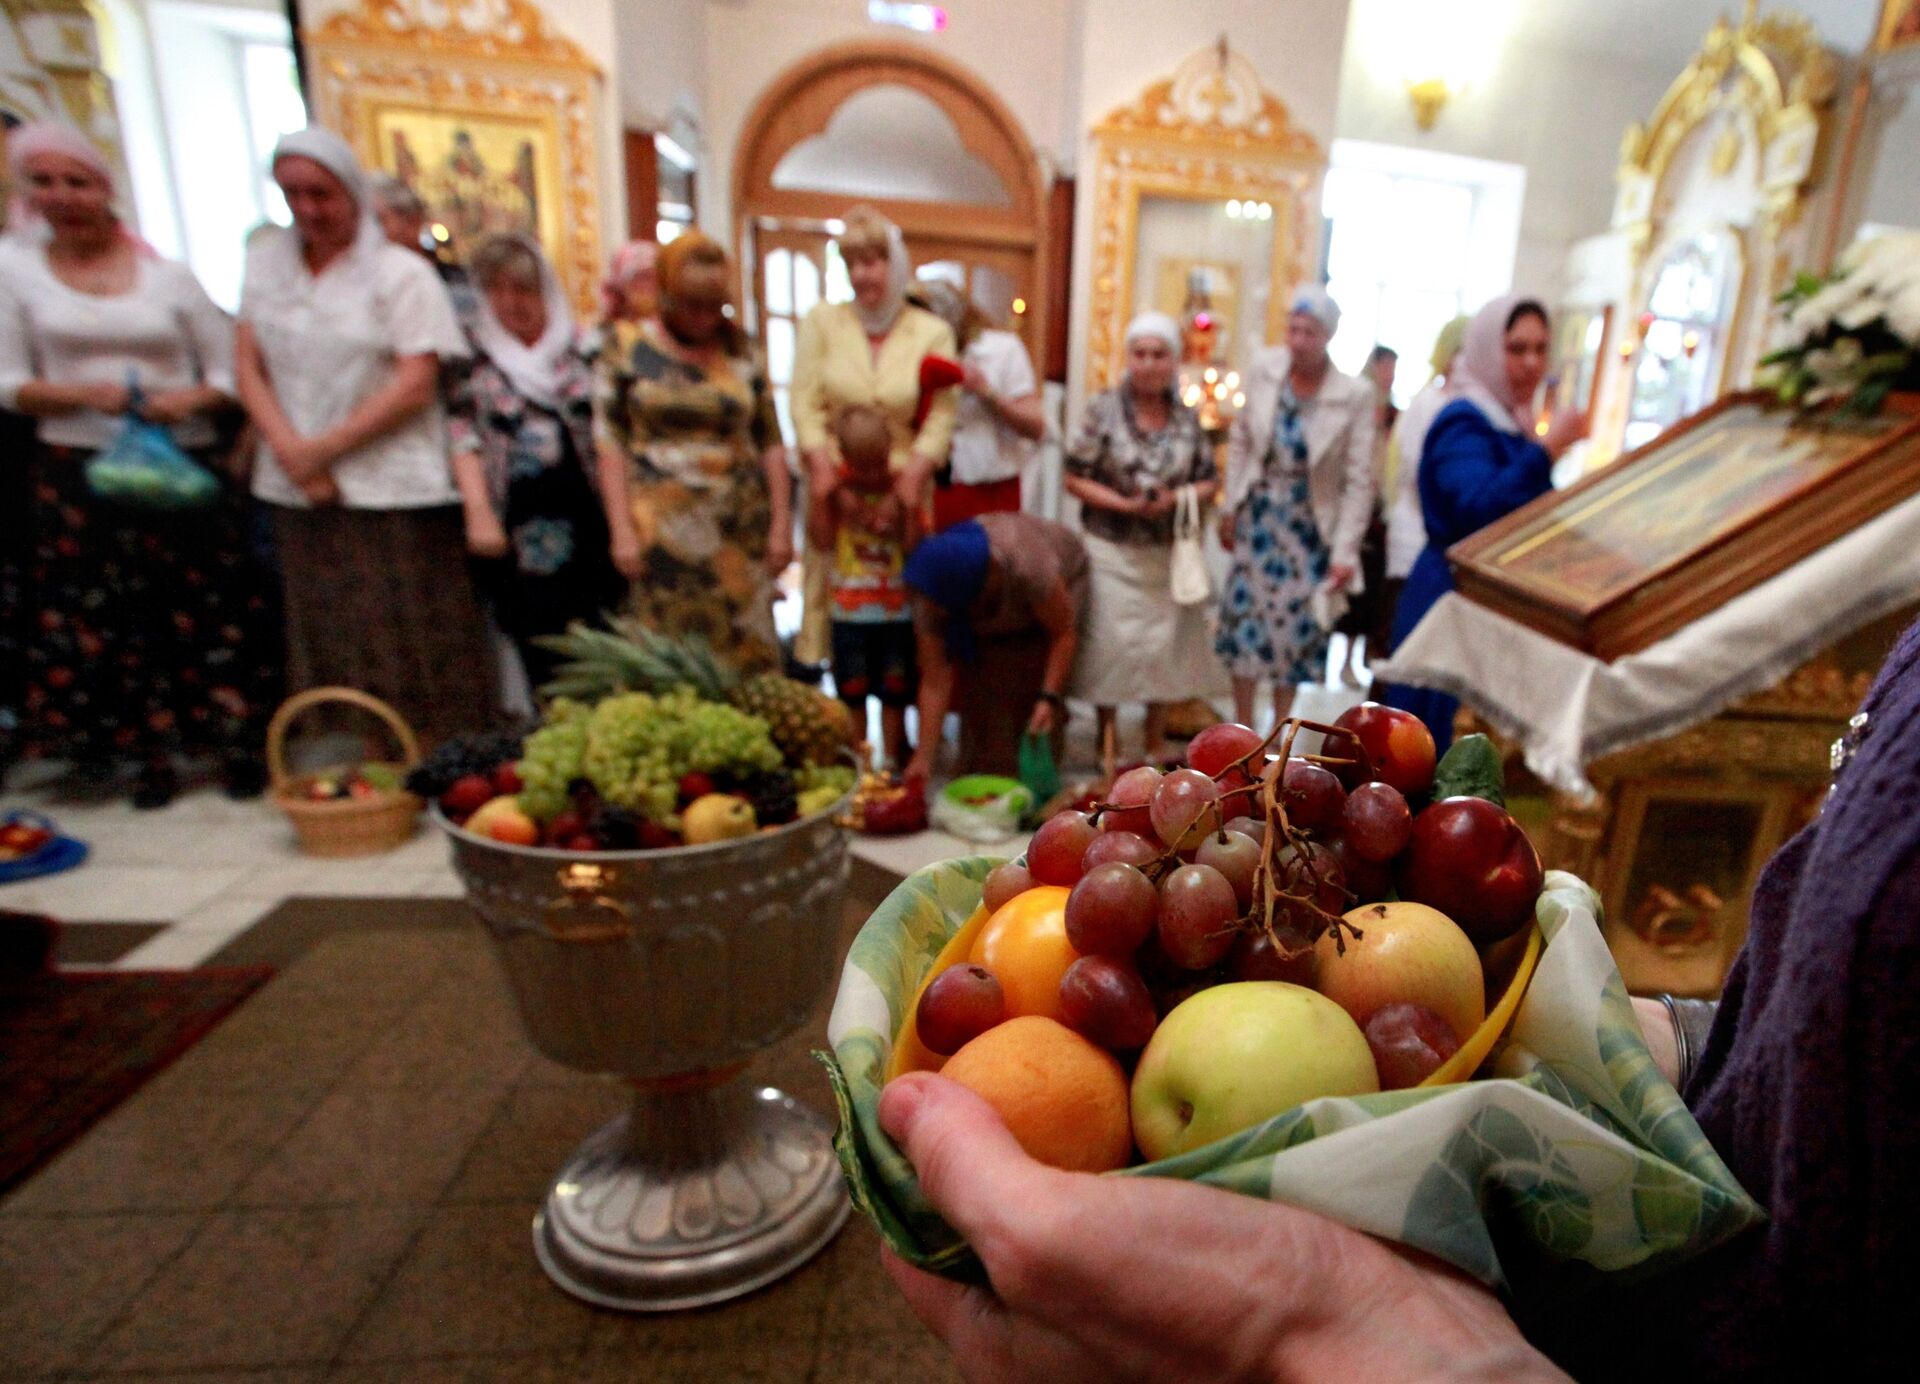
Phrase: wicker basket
{"type": "Point", "coordinates": [347, 826]}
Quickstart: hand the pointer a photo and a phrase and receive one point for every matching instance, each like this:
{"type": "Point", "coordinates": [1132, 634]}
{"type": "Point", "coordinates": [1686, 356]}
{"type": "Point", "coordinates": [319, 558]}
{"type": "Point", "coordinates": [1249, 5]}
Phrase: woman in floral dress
{"type": "Point", "coordinates": [688, 436]}
{"type": "Point", "coordinates": [521, 424]}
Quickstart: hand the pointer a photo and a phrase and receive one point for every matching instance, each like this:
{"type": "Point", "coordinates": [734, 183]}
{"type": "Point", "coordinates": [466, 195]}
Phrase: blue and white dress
{"type": "Point", "coordinates": [1267, 629]}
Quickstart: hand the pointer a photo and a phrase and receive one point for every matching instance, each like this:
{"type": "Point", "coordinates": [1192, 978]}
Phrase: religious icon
{"type": "Point", "coordinates": [478, 173]}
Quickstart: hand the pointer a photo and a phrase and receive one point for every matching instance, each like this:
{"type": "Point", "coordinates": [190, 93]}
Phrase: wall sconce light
{"type": "Point", "coordinates": [1429, 96]}
{"type": "Point", "coordinates": [1434, 50]}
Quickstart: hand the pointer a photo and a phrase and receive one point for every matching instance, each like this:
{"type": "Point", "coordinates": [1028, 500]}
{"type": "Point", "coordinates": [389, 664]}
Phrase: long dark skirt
{"type": "Point", "coordinates": [141, 633]}
{"type": "Point", "coordinates": [382, 600]}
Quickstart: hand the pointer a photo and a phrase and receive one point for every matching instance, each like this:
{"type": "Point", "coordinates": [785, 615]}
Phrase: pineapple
{"type": "Point", "coordinates": [808, 726]}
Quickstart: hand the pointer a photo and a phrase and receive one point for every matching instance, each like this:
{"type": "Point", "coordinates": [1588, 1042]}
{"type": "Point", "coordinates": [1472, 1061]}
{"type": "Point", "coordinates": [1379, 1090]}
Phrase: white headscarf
{"type": "Point", "coordinates": [32, 141]}
{"type": "Point", "coordinates": [534, 371]}
{"type": "Point", "coordinates": [879, 321]}
{"type": "Point", "coordinates": [1480, 371]}
{"type": "Point", "coordinates": [1157, 325]}
{"type": "Point", "coordinates": [335, 155]}
{"type": "Point", "coordinates": [1318, 304]}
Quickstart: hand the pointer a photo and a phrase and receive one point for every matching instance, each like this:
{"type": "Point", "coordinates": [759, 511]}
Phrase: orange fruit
{"type": "Point", "coordinates": [1025, 946]}
{"type": "Point", "coordinates": [1064, 1099]}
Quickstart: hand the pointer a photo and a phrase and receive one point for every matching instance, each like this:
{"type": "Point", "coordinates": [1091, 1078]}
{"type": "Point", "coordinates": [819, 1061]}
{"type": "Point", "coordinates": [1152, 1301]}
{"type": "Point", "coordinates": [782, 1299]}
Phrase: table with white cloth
{"type": "Point", "coordinates": [1676, 771]}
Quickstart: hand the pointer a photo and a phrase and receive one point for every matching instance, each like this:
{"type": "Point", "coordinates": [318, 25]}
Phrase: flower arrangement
{"type": "Point", "coordinates": [1853, 337]}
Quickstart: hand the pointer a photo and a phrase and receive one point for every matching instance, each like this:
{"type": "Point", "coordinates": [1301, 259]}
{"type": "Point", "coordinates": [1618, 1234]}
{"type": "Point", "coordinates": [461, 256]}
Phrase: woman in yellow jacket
{"type": "Point", "coordinates": [867, 352]}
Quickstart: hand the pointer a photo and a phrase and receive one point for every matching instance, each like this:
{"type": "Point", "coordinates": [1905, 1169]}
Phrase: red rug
{"type": "Point", "coordinates": [73, 1046]}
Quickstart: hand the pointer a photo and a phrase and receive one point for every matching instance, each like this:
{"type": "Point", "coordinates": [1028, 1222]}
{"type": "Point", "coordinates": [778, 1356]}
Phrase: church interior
{"type": "Point", "coordinates": [335, 1076]}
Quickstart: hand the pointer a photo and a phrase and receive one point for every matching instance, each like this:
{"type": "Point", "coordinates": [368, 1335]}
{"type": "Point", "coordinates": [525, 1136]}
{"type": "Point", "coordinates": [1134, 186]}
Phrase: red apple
{"type": "Point", "coordinates": [506, 779]}
{"type": "Point", "coordinates": [1398, 747]}
{"type": "Point", "coordinates": [1406, 953]}
{"type": "Point", "coordinates": [467, 795]}
{"type": "Point", "coordinates": [1471, 860]}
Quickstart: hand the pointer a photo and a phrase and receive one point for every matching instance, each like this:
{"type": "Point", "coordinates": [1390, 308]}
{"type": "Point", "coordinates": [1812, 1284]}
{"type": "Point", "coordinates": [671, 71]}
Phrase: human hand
{"type": "Point", "coordinates": [919, 769]}
{"type": "Point", "coordinates": [301, 459]}
{"type": "Point", "coordinates": [1340, 576]}
{"type": "Point", "coordinates": [779, 547]}
{"type": "Point", "coordinates": [169, 406]}
{"type": "Point", "coordinates": [321, 490]}
{"type": "Point", "coordinates": [1105, 1279]}
{"type": "Point", "coordinates": [1041, 722]}
{"type": "Point", "coordinates": [910, 482]}
{"type": "Point", "coordinates": [485, 536]}
{"type": "Point", "coordinates": [1565, 430]}
{"type": "Point", "coordinates": [104, 396]}
{"type": "Point", "coordinates": [625, 551]}
{"type": "Point", "coordinates": [976, 381]}
{"type": "Point", "coordinates": [1226, 530]}
{"type": "Point", "coordinates": [822, 474]}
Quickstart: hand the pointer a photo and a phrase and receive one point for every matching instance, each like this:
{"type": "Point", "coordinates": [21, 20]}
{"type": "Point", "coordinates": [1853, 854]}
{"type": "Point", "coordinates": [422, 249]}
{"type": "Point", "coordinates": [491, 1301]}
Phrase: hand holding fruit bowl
{"type": "Point", "coordinates": [1249, 932]}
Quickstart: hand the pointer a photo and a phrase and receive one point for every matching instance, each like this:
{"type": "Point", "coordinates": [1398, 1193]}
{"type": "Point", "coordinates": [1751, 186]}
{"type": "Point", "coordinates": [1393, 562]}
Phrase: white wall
{"type": "Point", "coordinates": [1023, 50]}
{"type": "Point", "coordinates": [662, 58]}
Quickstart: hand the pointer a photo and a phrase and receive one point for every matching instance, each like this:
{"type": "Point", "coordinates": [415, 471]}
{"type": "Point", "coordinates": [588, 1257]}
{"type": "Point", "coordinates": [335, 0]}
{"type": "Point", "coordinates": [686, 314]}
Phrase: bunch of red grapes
{"type": "Point", "coordinates": [1233, 867]}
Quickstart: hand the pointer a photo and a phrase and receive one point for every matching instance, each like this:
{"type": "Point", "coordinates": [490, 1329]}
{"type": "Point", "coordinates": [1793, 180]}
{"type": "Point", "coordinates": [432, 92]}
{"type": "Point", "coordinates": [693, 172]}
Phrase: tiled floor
{"type": "Point", "coordinates": [337, 1184]}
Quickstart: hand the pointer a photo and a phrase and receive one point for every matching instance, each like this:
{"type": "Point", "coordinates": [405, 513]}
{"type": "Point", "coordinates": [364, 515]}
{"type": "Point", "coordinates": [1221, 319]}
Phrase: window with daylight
{"type": "Point", "coordinates": [1415, 239]}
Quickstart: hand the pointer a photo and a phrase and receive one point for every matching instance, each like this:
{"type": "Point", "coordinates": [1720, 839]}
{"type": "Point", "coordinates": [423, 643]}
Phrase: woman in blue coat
{"type": "Point", "coordinates": [1480, 462]}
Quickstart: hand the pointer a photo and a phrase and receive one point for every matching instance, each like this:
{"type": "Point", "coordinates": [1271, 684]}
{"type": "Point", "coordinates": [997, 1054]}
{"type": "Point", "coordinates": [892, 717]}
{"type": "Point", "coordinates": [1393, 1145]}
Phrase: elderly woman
{"type": "Point", "coordinates": [630, 293]}
{"type": "Point", "coordinates": [143, 633]}
{"type": "Point", "coordinates": [1299, 493]}
{"type": "Point", "coordinates": [998, 418]}
{"type": "Point", "coordinates": [402, 215]}
{"type": "Point", "coordinates": [1138, 447]}
{"type": "Point", "coordinates": [999, 603]}
{"type": "Point", "coordinates": [699, 496]}
{"type": "Point", "coordinates": [1479, 461]}
{"type": "Point", "coordinates": [521, 423]}
{"type": "Point", "coordinates": [341, 341]}
{"type": "Point", "coordinates": [867, 351]}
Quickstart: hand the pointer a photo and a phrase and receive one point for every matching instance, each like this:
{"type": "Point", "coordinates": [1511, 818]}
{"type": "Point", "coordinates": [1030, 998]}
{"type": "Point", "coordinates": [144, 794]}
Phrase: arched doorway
{"type": "Point", "coordinates": [912, 134]}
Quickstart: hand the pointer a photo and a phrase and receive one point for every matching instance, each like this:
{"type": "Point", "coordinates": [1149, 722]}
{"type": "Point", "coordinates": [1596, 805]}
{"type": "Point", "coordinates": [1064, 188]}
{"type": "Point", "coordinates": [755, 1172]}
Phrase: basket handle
{"type": "Point", "coordinates": [302, 702]}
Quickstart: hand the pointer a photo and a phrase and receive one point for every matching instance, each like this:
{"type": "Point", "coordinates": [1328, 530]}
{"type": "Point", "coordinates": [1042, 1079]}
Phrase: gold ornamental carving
{"type": "Point", "coordinates": [1210, 132]}
{"type": "Point", "coordinates": [478, 66]}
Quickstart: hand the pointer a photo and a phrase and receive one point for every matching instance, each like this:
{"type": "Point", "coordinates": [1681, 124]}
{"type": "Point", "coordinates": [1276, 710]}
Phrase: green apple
{"type": "Point", "coordinates": [1406, 953]}
{"type": "Point", "coordinates": [1234, 1055]}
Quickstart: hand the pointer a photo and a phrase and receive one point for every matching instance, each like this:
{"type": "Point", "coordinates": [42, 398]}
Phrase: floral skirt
{"type": "Point", "coordinates": [703, 564]}
{"type": "Point", "coordinates": [139, 633]}
{"type": "Point", "coordinates": [1267, 629]}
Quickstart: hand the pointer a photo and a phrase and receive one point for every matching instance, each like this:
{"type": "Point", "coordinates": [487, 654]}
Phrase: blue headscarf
{"type": "Point", "coordinates": [949, 569]}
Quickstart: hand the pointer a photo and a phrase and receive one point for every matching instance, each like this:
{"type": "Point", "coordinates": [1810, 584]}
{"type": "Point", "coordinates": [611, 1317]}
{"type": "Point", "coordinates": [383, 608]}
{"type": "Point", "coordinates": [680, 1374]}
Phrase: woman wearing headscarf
{"type": "Point", "coordinates": [1299, 492]}
{"type": "Point", "coordinates": [143, 633]}
{"type": "Point", "coordinates": [1479, 462]}
{"type": "Point", "coordinates": [521, 424]}
{"type": "Point", "coordinates": [1137, 447]}
{"type": "Point", "coordinates": [698, 492]}
{"type": "Point", "coordinates": [998, 417]}
{"type": "Point", "coordinates": [867, 352]}
{"type": "Point", "coordinates": [341, 342]}
{"type": "Point", "coordinates": [1406, 530]}
{"type": "Point", "coordinates": [630, 293]}
{"type": "Point", "coordinates": [999, 606]}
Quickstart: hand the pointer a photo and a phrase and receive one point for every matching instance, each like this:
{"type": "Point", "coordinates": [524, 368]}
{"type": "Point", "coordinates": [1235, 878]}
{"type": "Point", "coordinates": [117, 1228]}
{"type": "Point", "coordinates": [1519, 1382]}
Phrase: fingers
{"type": "Point", "coordinates": [989, 1342]}
{"type": "Point", "coordinates": [969, 1166]}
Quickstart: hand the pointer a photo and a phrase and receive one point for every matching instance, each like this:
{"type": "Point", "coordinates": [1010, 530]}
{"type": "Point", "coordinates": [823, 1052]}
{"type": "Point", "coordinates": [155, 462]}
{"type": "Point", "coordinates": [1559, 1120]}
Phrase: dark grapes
{"type": "Point", "coordinates": [1132, 792]}
{"type": "Point", "coordinates": [1236, 857]}
{"type": "Point", "coordinates": [1376, 821]}
{"type": "Point", "coordinates": [1197, 913]}
{"type": "Point", "coordinates": [1311, 795]}
{"type": "Point", "coordinates": [1183, 807]}
{"type": "Point", "coordinates": [1112, 910]}
{"type": "Point", "coordinates": [1122, 846]}
{"type": "Point", "coordinates": [1004, 882]}
{"type": "Point", "coordinates": [1214, 748]}
{"type": "Point", "coordinates": [1055, 854]}
{"type": "Point", "coordinates": [962, 1003]}
{"type": "Point", "coordinates": [1410, 1043]}
{"type": "Point", "coordinates": [1368, 880]}
{"type": "Point", "coordinates": [1312, 878]}
{"type": "Point", "coordinates": [1256, 958]}
{"type": "Point", "coordinates": [1106, 1001]}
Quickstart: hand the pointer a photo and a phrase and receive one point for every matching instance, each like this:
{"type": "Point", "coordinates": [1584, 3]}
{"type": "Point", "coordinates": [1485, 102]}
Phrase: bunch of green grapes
{"type": "Point", "coordinates": [639, 747]}
{"type": "Point", "coordinates": [838, 777]}
{"type": "Point", "coordinates": [551, 759]}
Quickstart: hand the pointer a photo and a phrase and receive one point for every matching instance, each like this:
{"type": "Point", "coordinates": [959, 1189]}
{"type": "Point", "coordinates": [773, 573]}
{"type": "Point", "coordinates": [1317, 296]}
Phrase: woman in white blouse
{"type": "Point", "coordinates": [999, 422]}
{"type": "Point", "coordinates": [145, 633]}
{"type": "Point", "coordinates": [342, 335]}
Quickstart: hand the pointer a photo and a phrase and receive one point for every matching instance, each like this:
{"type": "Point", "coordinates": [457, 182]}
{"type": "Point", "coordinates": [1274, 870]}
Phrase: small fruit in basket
{"type": "Point", "coordinates": [1377, 821]}
{"type": "Point", "coordinates": [717, 817]}
{"type": "Point", "coordinates": [1025, 945]}
{"type": "Point", "coordinates": [566, 826]}
{"type": "Point", "coordinates": [503, 820]}
{"type": "Point", "coordinates": [1234, 855]}
{"type": "Point", "coordinates": [506, 779]}
{"type": "Point", "coordinates": [1237, 1054]}
{"type": "Point", "coordinates": [1403, 953]}
{"type": "Point", "coordinates": [1132, 793]}
{"type": "Point", "coordinates": [1063, 1098]}
{"type": "Point", "coordinates": [1103, 998]}
{"type": "Point", "coordinates": [1112, 910]}
{"type": "Point", "coordinates": [1003, 882]}
{"type": "Point", "coordinates": [467, 796]}
{"type": "Point", "coordinates": [649, 835]}
{"type": "Point", "coordinates": [1214, 748]}
{"type": "Point", "coordinates": [1184, 806]}
{"type": "Point", "coordinates": [695, 786]}
{"type": "Point", "coordinates": [1311, 795]}
{"type": "Point", "coordinates": [1058, 850]}
{"type": "Point", "coordinates": [1368, 881]}
{"type": "Point", "coordinates": [960, 1004]}
{"type": "Point", "coordinates": [1399, 747]}
{"type": "Point", "coordinates": [1256, 956]}
{"type": "Point", "coordinates": [359, 788]}
{"type": "Point", "coordinates": [812, 800]}
{"type": "Point", "coordinates": [583, 841]}
{"type": "Point", "coordinates": [1122, 847]}
{"type": "Point", "coordinates": [1410, 1043]}
{"type": "Point", "coordinates": [18, 840]}
{"type": "Point", "coordinates": [1471, 860]}
{"type": "Point", "coordinates": [1197, 912]}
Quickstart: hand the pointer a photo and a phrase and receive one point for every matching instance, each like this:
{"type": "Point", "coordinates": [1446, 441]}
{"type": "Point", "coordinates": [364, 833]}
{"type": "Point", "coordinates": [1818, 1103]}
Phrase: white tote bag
{"type": "Point", "coordinates": [1192, 583]}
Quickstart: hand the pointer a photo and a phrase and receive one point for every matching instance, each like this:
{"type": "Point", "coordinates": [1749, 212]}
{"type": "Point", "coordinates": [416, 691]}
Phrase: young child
{"type": "Point", "coordinates": [867, 533]}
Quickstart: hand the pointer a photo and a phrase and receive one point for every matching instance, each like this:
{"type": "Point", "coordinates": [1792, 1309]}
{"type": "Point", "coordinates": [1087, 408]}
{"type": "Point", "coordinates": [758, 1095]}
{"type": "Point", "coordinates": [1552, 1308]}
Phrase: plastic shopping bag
{"type": "Point", "coordinates": [143, 466]}
{"type": "Point", "coordinates": [984, 808]}
{"type": "Point", "coordinates": [1037, 769]}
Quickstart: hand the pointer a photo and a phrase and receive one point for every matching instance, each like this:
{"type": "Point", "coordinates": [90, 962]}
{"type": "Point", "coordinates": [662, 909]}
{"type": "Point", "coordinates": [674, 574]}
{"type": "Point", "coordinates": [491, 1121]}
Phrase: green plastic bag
{"type": "Point", "coordinates": [1574, 1157]}
{"type": "Point", "coordinates": [1037, 769]}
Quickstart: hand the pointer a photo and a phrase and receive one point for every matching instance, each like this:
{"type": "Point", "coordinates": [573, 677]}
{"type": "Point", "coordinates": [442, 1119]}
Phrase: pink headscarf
{"type": "Point", "coordinates": [1480, 371]}
{"type": "Point", "coordinates": [629, 262]}
{"type": "Point", "coordinates": [34, 140]}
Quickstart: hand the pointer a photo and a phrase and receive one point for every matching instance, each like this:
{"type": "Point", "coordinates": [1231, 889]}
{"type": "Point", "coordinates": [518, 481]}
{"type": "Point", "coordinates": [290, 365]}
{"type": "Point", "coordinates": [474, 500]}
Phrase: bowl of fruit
{"type": "Point", "coordinates": [1334, 975]}
{"type": "Point", "coordinates": [661, 874]}
{"type": "Point", "coordinates": [31, 847]}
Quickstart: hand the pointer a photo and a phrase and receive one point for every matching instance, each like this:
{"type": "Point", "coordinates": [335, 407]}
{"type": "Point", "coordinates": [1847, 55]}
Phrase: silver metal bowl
{"type": "Point", "coordinates": [671, 970]}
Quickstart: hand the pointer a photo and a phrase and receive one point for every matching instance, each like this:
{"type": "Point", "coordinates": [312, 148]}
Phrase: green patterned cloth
{"type": "Point", "coordinates": [1576, 1157]}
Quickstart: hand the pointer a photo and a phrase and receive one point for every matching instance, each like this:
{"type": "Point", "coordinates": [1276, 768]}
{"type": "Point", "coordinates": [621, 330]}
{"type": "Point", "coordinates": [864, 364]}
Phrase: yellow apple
{"type": "Point", "coordinates": [1407, 953]}
{"type": "Point", "coordinates": [503, 820]}
{"type": "Point", "coordinates": [717, 817]}
{"type": "Point", "coordinates": [1234, 1055]}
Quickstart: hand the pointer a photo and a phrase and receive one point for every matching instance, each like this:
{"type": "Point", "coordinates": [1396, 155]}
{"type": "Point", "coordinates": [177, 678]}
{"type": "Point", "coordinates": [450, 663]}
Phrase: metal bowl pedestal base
{"type": "Point", "coordinates": [693, 1197]}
